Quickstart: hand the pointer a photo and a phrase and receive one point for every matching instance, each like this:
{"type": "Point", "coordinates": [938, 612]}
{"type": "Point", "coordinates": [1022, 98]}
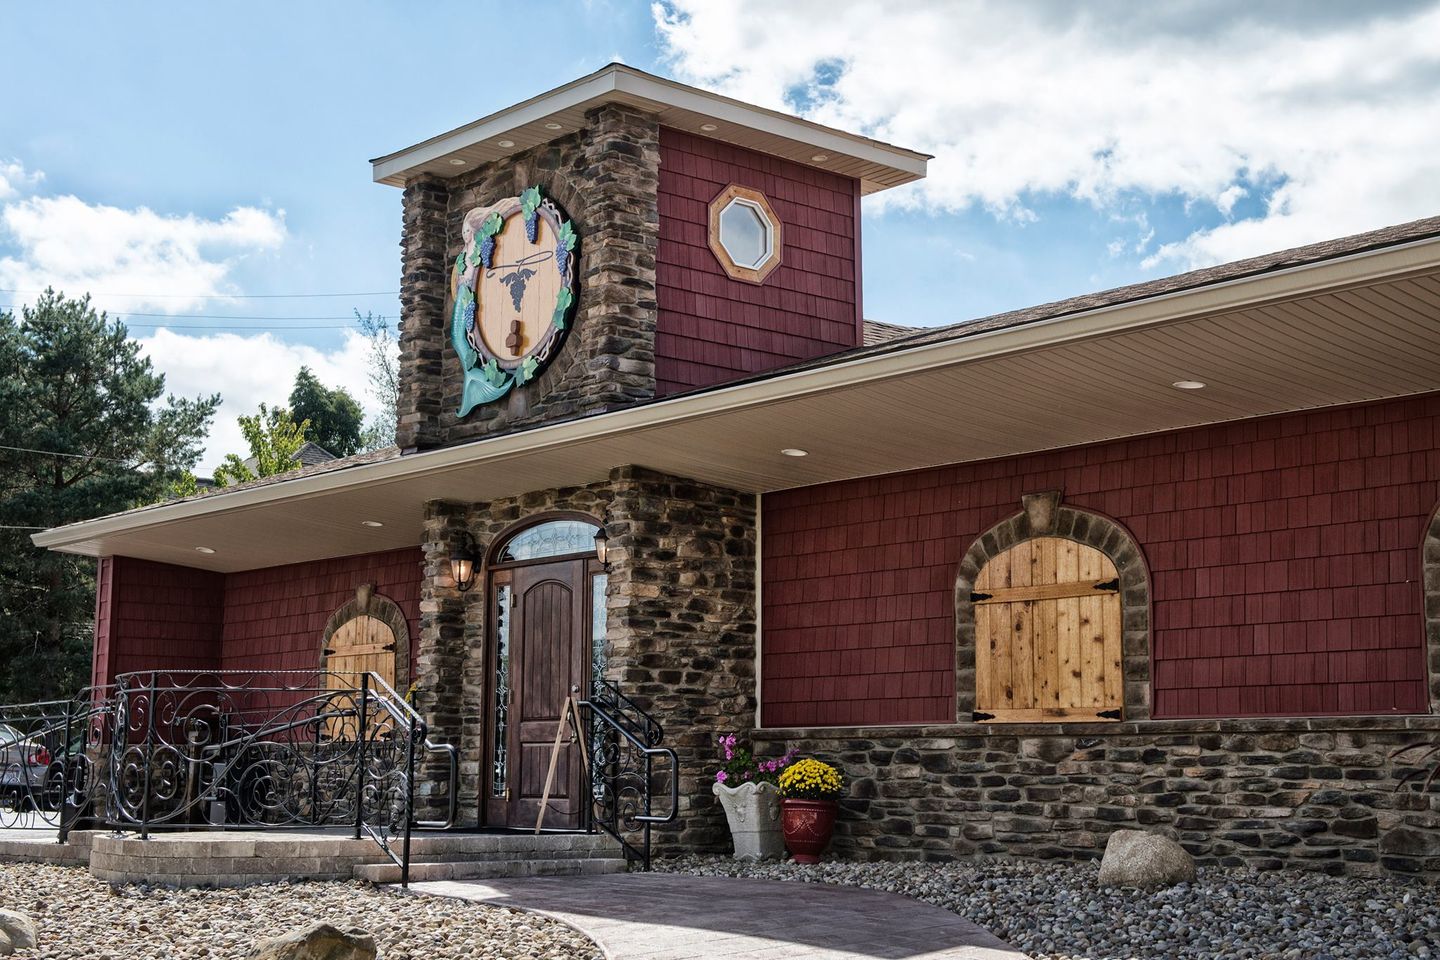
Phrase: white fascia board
{"type": "Point", "coordinates": [1224, 296]}
{"type": "Point", "coordinates": [602, 86]}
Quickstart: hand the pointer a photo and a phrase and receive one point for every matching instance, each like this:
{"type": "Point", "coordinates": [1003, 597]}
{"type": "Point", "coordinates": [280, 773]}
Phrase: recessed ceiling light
{"type": "Point", "coordinates": [456, 162]}
{"type": "Point", "coordinates": [1188, 385]}
{"type": "Point", "coordinates": [506, 143]}
{"type": "Point", "coordinates": [552, 126]}
{"type": "Point", "coordinates": [371, 523]}
{"type": "Point", "coordinates": [708, 127]}
{"type": "Point", "coordinates": [204, 549]}
{"type": "Point", "coordinates": [820, 158]}
{"type": "Point", "coordinates": [795, 452]}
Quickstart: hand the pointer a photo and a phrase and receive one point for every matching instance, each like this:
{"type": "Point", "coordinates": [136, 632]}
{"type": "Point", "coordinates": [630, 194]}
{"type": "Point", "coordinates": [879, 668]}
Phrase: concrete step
{"type": "Point", "coordinates": [491, 869]}
{"type": "Point", "coordinates": [510, 846]}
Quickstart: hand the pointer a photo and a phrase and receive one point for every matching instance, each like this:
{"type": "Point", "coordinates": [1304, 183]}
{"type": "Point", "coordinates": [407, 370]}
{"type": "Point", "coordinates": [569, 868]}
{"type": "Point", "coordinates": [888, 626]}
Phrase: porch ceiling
{"type": "Point", "coordinates": [1358, 328]}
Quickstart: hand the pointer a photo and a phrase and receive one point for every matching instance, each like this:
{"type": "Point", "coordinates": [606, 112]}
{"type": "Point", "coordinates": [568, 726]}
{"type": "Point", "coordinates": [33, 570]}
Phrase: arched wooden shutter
{"type": "Point", "coordinates": [1048, 635]}
{"type": "Point", "coordinates": [358, 646]}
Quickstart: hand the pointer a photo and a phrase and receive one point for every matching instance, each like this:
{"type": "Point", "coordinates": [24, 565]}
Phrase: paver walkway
{"type": "Point", "coordinates": [659, 916]}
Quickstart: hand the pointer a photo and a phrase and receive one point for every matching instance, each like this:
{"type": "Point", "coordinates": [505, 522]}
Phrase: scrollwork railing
{"type": "Point", "coordinates": [221, 750]}
{"type": "Point", "coordinates": [628, 769]}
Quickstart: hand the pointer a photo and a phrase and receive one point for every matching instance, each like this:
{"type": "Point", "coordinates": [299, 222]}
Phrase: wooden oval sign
{"type": "Point", "coordinates": [515, 290]}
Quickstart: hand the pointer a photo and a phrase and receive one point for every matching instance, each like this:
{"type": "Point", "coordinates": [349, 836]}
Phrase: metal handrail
{"type": "Point", "coordinates": [650, 751]}
{"type": "Point", "coordinates": [403, 712]}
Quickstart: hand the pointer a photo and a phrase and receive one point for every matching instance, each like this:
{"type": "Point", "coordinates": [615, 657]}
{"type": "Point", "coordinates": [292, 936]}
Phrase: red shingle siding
{"type": "Point", "coordinates": [274, 617]}
{"type": "Point", "coordinates": [711, 328]}
{"type": "Point", "coordinates": [1284, 556]}
{"type": "Point", "coordinates": [155, 616]}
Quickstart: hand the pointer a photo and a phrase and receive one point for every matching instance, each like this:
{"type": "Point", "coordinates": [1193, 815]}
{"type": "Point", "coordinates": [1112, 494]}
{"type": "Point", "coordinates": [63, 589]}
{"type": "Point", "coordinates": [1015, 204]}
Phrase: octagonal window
{"type": "Point", "coordinates": [744, 233]}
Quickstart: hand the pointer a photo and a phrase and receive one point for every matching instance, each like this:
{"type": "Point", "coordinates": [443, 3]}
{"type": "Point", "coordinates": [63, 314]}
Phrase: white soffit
{"type": "Point", "coordinates": [876, 165]}
{"type": "Point", "coordinates": [1344, 331]}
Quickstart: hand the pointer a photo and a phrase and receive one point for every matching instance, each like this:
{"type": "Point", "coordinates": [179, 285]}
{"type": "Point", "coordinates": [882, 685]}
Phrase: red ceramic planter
{"type": "Point", "coordinates": [807, 825]}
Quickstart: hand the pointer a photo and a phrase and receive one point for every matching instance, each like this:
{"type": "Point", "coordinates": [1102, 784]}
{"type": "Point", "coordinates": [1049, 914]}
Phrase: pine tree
{"type": "Point", "coordinates": [83, 433]}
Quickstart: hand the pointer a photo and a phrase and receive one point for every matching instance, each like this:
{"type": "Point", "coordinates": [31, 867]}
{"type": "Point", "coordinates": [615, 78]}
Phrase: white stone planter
{"type": "Point", "coordinates": [753, 810]}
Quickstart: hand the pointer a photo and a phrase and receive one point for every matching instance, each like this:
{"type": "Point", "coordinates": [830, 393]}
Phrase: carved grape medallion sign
{"type": "Point", "coordinates": [515, 290]}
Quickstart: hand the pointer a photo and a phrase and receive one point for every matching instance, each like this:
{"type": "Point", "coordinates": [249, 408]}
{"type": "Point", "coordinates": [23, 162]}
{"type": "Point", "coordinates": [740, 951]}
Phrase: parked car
{"type": "Point", "coordinates": [25, 765]}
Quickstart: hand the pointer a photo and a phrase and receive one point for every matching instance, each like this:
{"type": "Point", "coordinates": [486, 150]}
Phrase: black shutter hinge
{"type": "Point", "coordinates": [979, 716]}
{"type": "Point", "coordinates": [1109, 714]}
{"type": "Point", "coordinates": [977, 597]}
{"type": "Point", "coordinates": [328, 652]}
{"type": "Point", "coordinates": [388, 646]}
{"type": "Point", "coordinates": [1112, 585]}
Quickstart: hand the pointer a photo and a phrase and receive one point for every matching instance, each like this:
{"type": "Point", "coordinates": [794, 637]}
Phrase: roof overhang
{"type": "Point", "coordinates": [1352, 329]}
{"type": "Point", "coordinates": [561, 111]}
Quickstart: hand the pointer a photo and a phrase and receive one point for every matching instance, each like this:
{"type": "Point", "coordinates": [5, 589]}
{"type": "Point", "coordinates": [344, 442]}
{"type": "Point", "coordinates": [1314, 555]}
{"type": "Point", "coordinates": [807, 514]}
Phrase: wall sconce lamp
{"type": "Point", "coordinates": [602, 546]}
{"type": "Point", "coordinates": [462, 562]}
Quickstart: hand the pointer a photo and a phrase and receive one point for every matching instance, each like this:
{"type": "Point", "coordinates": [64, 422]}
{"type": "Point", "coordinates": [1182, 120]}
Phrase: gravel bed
{"type": "Point", "coordinates": [79, 916]}
{"type": "Point", "coordinates": [1055, 911]}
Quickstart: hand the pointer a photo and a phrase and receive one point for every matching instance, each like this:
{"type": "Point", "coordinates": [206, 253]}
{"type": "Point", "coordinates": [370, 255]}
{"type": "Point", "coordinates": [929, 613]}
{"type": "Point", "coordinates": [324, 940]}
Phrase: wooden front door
{"type": "Point", "coordinates": [540, 654]}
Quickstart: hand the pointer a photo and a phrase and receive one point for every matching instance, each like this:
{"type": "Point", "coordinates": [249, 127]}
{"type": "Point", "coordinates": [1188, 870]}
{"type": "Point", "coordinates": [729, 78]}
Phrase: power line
{"type": "Point", "coordinates": [205, 316]}
{"type": "Point", "coordinates": [57, 453]}
{"type": "Point", "coordinates": [228, 296]}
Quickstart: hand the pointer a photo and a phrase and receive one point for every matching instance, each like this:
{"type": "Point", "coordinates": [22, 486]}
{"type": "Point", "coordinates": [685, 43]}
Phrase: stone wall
{"type": "Point", "coordinates": [681, 626]}
{"type": "Point", "coordinates": [605, 177]}
{"type": "Point", "coordinates": [1312, 794]}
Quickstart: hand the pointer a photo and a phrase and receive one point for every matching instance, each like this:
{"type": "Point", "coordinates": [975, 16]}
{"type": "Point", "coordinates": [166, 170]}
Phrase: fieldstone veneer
{"type": "Point", "coordinates": [606, 179]}
{"type": "Point", "coordinates": [681, 627]}
{"type": "Point", "coordinates": [1320, 794]}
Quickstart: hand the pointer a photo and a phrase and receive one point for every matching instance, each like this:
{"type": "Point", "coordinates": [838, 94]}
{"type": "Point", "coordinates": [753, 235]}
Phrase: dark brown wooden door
{"type": "Point", "coordinates": [548, 657]}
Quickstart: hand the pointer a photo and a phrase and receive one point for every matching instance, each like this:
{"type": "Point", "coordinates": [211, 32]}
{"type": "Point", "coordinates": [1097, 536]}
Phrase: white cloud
{"type": "Point", "coordinates": [247, 370]}
{"type": "Point", "coordinates": [14, 178]}
{"type": "Point", "coordinates": [1330, 113]}
{"type": "Point", "coordinates": [174, 262]}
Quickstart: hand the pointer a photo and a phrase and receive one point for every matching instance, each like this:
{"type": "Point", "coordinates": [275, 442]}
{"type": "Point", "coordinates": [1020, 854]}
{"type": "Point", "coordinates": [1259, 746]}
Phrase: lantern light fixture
{"type": "Point", "coordinates": [463, 562]}
{"type": "Point", "coordinates": [602, 546]}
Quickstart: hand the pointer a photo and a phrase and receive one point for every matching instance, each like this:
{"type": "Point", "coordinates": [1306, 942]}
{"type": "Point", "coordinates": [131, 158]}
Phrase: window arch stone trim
{"type": "Point", "coordinates": [368, 603]}
{"type": "Point", "coordinates": [1430, 599]}
{"type": "Point", "coordinates": [1043, 515]}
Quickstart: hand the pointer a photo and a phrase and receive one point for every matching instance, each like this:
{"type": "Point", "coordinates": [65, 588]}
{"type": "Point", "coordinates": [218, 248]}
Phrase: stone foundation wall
{"type": "Point", "coordinates": [1265, 794]}
{"type": "Point", "coordinates": [680, 627]}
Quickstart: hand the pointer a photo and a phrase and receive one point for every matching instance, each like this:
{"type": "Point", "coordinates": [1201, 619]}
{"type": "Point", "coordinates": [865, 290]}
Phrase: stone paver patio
{"type": "Point", "coordinates": [674, 917]}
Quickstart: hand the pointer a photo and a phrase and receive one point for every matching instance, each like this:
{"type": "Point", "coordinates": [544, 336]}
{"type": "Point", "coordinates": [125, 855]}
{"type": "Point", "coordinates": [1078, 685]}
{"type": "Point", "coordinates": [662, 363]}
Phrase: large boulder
{"type": "Point", "coordinates": [1134, 858]}
{"type": "Point", "coordinates": [17, 932]}
{"type": "Point", "coordinates": [320, 942]}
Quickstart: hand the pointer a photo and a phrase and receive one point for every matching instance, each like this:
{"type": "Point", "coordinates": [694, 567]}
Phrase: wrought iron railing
{"type": "Point", "coordinates": [165, 750]}
{"type": "Point", "coordinates": [628, 769]}
{"type": "Point", "coordinates": [50, 760]}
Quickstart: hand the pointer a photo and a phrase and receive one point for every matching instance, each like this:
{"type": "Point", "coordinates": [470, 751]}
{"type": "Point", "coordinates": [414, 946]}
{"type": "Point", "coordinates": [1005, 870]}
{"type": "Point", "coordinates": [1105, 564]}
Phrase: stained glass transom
{"type": "Point", "coordinates": [554, 538]}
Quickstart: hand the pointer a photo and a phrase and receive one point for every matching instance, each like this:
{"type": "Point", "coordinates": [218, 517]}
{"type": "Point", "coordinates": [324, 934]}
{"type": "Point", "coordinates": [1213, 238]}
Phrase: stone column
{"type": "Point", "coordinates": [442, 645]}
{"type": "Point", "coordinates": [423, 290]}
{"type": "Point", "coordinates": [681, 627]}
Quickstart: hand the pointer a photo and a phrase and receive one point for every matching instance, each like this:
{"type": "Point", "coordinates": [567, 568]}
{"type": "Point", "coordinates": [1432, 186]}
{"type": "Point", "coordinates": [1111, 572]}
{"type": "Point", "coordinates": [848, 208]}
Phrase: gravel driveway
{"type": "Point", "coordinates": [80, 917]}
{"type": "Point", "coordinates": [1057, 911]}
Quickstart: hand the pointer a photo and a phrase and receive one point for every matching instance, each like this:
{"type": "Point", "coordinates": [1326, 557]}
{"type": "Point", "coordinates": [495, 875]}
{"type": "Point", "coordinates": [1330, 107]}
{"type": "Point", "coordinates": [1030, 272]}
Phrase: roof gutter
{"type": "Point", "coordinates": [897, 361]}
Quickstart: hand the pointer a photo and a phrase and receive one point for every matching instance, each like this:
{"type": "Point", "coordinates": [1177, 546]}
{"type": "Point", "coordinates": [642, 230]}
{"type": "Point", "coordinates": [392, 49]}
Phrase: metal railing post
{"type": "Point", "coordinates": [149, 758]}
{"type": "Point", "coordinates": [409, 805]}
{"type": "Point", "coordinates": [64, 827]}
{"type": "Point", "coordinates": [360, 756]}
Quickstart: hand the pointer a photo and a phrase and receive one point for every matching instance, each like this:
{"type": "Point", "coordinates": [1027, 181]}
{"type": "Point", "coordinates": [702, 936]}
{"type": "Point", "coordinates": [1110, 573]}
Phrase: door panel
{"type": "Point", "coordinates": [549, 655]}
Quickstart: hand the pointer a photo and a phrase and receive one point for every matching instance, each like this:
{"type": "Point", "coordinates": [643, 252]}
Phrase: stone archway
{"type": "Point", "coordinates": [1043, 515]}
{"type": "Point", "coordinates": [1430, 599]}
{"type": "Point", "coordinates": [377, 607]}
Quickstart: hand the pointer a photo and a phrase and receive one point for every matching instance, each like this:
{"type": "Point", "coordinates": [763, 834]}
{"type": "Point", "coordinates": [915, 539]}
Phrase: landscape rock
{"type": "Point", "coordinates": [17, 932]}
{"type": "Point", "coordinates": [1134, 858]}
{"type": "Point", "coordinates": [321, 941]}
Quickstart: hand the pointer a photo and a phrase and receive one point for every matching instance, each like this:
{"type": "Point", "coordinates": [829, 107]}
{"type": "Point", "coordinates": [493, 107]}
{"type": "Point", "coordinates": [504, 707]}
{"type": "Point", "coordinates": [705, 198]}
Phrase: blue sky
{"type": "Point", "coordinates": [1076, 148]}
